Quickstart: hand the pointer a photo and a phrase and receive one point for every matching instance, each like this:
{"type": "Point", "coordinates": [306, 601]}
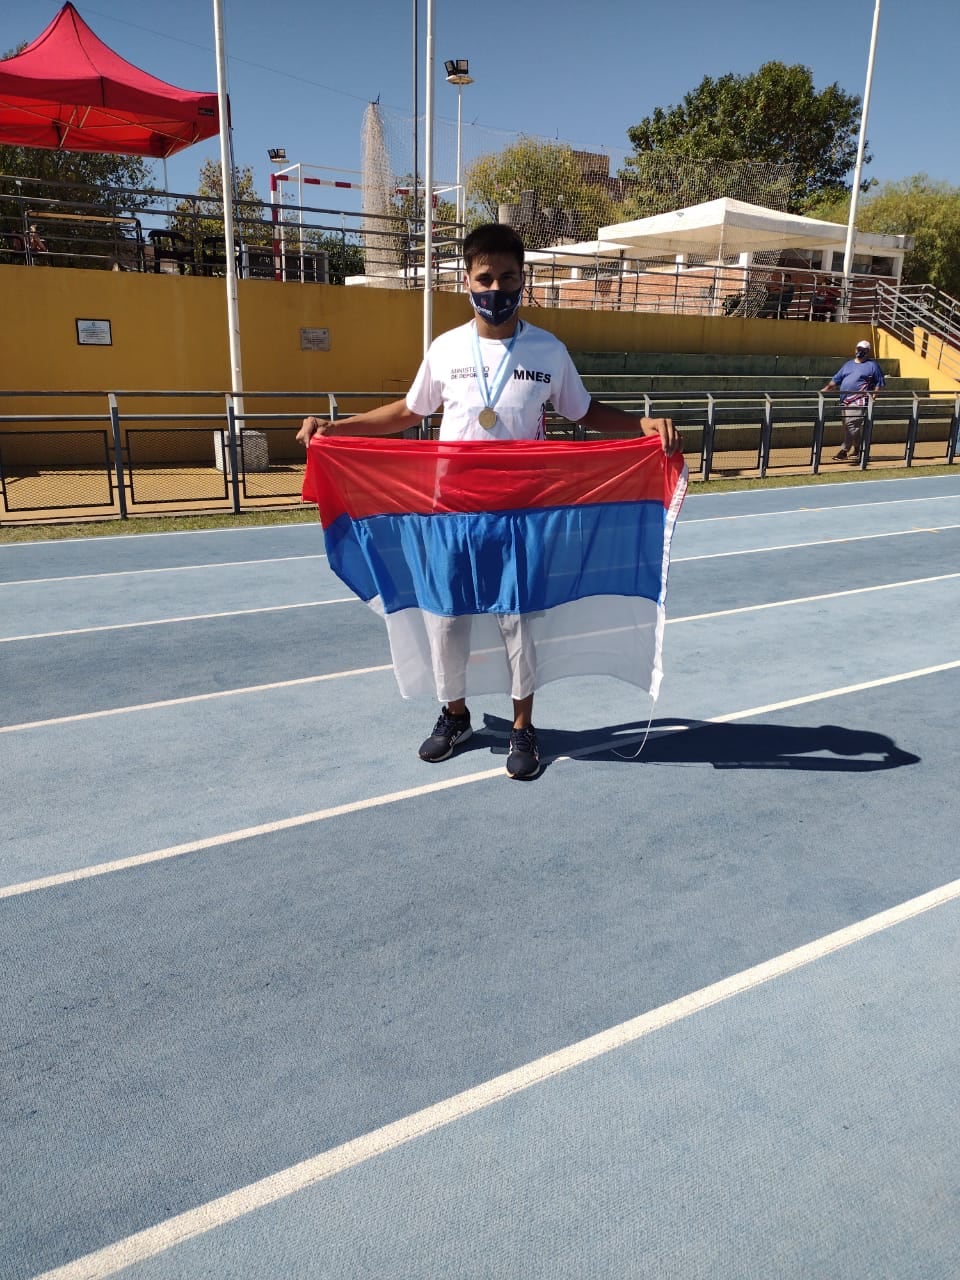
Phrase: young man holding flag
{"type": "Point", "coordinates": [493, 377]}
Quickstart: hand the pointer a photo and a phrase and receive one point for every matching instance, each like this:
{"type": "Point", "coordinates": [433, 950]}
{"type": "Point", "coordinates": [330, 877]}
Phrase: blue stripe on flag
{"type": "Point", "coordinates": [504, 561]}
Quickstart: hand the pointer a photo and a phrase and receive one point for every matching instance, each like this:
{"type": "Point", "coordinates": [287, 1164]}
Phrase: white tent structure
{"type": "Point", "coordinates": [729, 228]}
{"type": "Point", "coordinates": [585, 253]}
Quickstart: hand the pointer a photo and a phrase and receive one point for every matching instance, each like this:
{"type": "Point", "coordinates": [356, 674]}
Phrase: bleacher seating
{"type": "Point", "coordinates": [679, 384]}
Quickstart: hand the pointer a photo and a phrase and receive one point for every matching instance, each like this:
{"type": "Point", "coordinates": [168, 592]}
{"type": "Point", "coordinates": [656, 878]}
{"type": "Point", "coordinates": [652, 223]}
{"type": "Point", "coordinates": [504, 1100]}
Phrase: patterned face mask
{"type": "Point", "coordinates": [496, 306]}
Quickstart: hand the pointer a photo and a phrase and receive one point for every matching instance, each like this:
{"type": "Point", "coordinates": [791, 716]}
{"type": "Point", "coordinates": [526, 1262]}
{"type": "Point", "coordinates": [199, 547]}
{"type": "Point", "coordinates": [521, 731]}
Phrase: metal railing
{"type": "Point", "coordinates": [922, 314]}
{"type": "Point", "coordinates": [129, 453]}
{"type": "Point", "coordinates": [44, 223]}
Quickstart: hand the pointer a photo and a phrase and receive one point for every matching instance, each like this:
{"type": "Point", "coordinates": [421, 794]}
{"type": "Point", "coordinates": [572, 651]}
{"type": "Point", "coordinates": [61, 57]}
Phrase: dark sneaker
{"type": "Point", "coordinates": [448, 733]}
{"type": "Point", "coordinates": [841, 456]}
{"type": "Point", "coordinates": [524, 758]}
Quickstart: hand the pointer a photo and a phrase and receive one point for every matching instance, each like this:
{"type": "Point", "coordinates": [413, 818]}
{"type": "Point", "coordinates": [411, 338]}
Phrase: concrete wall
{"type": "Point", "coordinates": [169, 333]}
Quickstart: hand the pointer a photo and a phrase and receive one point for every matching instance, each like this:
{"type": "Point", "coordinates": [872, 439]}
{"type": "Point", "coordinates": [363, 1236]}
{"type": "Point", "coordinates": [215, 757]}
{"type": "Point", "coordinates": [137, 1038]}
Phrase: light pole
{"type": "Point", "coordinates": [229, 238]}
{"type": "Point", "coordinates": [458, 73]}
{"type": "Point", "coordinates": [858, 170]}
{"type": "Point", "coordinates": [278, 155]}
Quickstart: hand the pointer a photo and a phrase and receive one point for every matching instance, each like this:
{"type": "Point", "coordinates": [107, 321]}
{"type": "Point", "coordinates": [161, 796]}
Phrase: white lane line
{"type": "Point", "coordinates": [412, 793]}
{"type": "Point", "coordinates": [811, 510]}
{"type": "Point", "coordinates": [189, 617]}
{"type": "Point", "coordinates": [194, 697]}
{"type": "Point", "coordinates": [172, 568]}
{"type": "Point", "coordinates": [823, 542]}
{"type": "Point", "coordinates": [310, 604]}
{"type": "Point", "coordinates": [826, 595]}
{"type": "Point", "coordinates": [278, 1186]}
{"type": "Point", "coordinates": [363, 671]}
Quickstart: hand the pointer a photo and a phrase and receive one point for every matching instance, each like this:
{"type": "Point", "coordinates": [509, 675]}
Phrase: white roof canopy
{"type": "Point", "coordinates": [737, 227]}
{"type": "Point", "coordinates": [583, 254]}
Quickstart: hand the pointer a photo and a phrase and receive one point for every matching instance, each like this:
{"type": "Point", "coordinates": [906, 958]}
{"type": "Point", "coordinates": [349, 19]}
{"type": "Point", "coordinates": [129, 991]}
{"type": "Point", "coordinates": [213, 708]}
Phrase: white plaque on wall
{"type": "Point", "coordinates": [94, 333]}
{"type": "Point", "coordinates": [314, 339]}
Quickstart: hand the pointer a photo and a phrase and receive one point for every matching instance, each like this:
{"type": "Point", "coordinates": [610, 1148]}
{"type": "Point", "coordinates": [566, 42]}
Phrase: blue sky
{"type": "Point", "coordinates": [302, 73]}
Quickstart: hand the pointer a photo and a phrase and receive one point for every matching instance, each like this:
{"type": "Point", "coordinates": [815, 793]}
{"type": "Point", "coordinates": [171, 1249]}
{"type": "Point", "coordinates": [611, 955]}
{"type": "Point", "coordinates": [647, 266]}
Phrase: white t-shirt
{"type": "Point", "coordinates": [539, 369]}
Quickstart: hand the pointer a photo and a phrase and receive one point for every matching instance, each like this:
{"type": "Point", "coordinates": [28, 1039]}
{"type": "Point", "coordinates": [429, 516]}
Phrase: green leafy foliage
{"type": "Point", "coordinates": [561, 180]}
{"type": "Point", "coordinates": [772, 114]}
{"type": "Point", "coordinates": [202, 215]}
{"type": "Point", "coordinates": [345, 254]}
{"type": "Point", "coordinates": [86, 187]}
{"type": "Point", "coordinates": [918, 206]}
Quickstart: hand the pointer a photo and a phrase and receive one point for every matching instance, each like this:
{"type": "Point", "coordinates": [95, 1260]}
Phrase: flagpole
{"type": "Point", "coordinates": [226, 183]}
{"type": "Point", "coordinates": [428, 190]}
{"type": "Point", "coordinates": [858, 168]}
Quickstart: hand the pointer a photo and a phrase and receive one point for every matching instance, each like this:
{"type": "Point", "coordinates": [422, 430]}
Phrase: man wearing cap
{"type": "Point", "coordinates": [857, 380]}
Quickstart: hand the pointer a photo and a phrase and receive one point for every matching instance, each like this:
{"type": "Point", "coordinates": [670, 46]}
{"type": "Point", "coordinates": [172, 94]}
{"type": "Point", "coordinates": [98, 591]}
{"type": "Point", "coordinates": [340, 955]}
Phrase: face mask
{"type": "Point", "coordinates": [496, 306]}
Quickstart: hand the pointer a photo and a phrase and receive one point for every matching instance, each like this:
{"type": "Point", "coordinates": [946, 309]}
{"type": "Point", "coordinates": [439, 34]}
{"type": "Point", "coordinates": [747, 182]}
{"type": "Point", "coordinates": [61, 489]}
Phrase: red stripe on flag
{"type": "Point", "coordinates": [363, 478]}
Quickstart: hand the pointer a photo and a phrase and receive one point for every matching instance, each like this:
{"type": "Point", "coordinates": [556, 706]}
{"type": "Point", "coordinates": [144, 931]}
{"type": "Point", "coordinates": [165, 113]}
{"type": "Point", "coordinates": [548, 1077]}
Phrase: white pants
{"type": "Point", "coordinates": [450, 653]}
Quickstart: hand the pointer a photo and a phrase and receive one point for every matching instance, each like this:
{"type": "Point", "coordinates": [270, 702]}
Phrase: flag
{"type": "Point", "coordinates": [574, 538]}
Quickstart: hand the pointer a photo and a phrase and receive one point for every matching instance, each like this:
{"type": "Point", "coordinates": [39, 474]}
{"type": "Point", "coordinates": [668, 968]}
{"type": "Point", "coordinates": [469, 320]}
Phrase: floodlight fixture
{"type": "Point", "coordinates": [277, 153]}
{"type": "Point", "coordinates": [458, 71]}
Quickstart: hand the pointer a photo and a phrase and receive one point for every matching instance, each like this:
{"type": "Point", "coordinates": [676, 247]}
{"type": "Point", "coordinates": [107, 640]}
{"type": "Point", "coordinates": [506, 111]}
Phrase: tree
{"type": "Point", "coordinates": [920, 207]}
{"type": "Point", "coordinates": [345, 255]}
{"type": "Point", "coordinates": [559, 193]}
{"type": "Point", "coordinates": [75, 183]}
{"type": "Point", "coordinates": [773, 114]}
{"type": "Point", "coordinates": [201, 215]}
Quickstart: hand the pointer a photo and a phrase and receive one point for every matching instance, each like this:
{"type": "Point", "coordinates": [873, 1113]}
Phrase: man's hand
{"type": "Point", "coordinates": [663, 427]}
{"type": "Point", "coordinates": [312, 427]}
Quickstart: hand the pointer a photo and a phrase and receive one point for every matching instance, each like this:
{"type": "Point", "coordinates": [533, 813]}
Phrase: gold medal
{"type": "Point", "coordinates": [487, 419]}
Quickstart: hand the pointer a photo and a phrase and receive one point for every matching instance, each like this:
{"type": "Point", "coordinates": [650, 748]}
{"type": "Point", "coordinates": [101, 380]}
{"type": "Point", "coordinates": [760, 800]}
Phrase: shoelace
{"type": "Point", "coordinates": [447, 723]}
{"type": "Point", "coordinates": [524, 741]}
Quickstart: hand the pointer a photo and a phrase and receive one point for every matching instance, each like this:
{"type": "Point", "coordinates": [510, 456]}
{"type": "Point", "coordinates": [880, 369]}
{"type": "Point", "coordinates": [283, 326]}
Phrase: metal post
{"type": "Point", "coordinates": [766, 435]}
{"type": "Point", "coordinates": [428, 190]}
{"type": "Point", "coordinates": [416, 109]}
{"type": "Point", "coordinates": [233, 454]}
{"type": "Point", "coordinates": [299, 168]}
{"type": "Point", "coordinates": [858, 170]}
{"type": "Point", "coordinates": [818, 428]}
{"type": "Point", "coordinates": [226, 182]}
{"type": "Point", "coordinates": [118, 454]}
{"type": "Point", "coordinates": [913, 431]}
{"type": "Point", "coordinates": [275, 220]}
{"type": "Point", "coordinates": [709, 433]}
{"type": "Point", "coordinates": [952, 441]}
{"type": "Point", "coordinates": [867, 437]}
{"type": "Point", "coordinates": [459, 154]}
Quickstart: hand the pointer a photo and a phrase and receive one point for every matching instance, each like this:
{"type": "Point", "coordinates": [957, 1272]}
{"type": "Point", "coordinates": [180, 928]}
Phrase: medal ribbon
{"type": "Point", "coordinates": [491, 394]}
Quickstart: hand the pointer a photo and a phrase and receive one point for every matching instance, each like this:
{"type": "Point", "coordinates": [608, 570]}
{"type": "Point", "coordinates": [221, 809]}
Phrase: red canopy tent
{"type": "Point", "coordinates": [67, 90]}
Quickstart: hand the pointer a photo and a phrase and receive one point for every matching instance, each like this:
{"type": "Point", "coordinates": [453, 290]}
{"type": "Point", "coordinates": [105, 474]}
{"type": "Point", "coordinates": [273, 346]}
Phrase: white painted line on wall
{"type": "Point", "coordinates": [287, 1182]}
{"type": "Point", "coordinates": [411, 793]}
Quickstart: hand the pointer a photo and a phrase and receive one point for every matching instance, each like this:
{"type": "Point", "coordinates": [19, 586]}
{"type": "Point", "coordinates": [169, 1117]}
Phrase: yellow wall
{"type": "Point", "coordinates": [169, 333]}
{"type": "Point", "coordinates": [913, 365]}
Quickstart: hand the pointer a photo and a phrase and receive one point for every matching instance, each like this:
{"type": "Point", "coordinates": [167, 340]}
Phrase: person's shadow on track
{"type": "Point", "coordinates": [826, 748]}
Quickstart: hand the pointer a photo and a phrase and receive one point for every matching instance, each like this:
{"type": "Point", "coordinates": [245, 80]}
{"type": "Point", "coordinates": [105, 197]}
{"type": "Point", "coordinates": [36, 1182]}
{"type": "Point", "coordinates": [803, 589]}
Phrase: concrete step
{"type": "Point", "coordinates": [729, 363]}
{"type": "Point", "coordinates": [699, 384]}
